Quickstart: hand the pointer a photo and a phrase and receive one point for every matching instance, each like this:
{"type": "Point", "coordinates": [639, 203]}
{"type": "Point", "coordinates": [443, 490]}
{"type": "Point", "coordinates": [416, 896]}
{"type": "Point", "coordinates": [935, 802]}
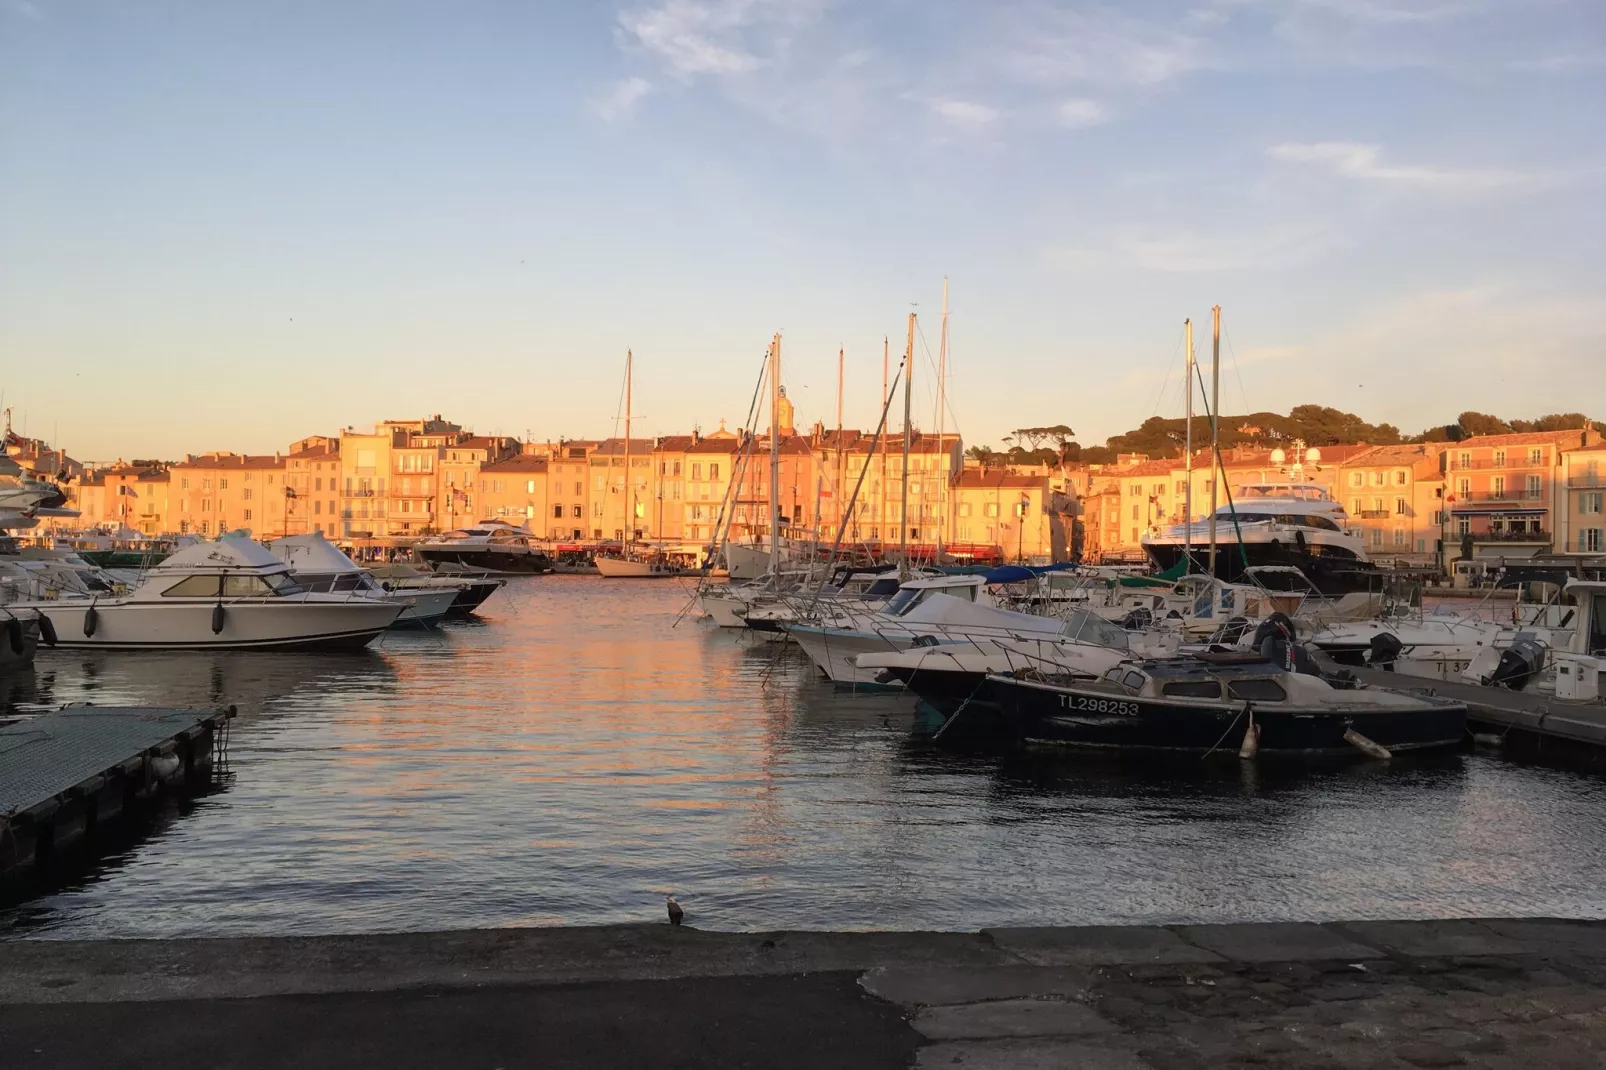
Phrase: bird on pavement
{"type": "Point", "coordinates": [675, 913]}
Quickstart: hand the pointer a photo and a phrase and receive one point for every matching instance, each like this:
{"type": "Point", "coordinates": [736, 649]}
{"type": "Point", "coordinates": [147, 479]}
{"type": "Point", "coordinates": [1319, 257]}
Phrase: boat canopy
{"type": "Point", "coordinates": [312, 554]}
{"type": "Point", "coordinates": [231, 553]}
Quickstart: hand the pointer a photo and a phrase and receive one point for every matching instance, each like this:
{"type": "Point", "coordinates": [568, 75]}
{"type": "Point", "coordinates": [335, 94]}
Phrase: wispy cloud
{"type": "Point", "coordinates": [1098, 46]}
{"type": "Point", "coordinates": [1199, 252]}
{"type": "Point", "coordinates": [1365, 163]}
{"type": "Point", "coordinates": [22, 9]}
{"type": "Point", "coordinates": [712, 37]}
{"type": "Point", "coordinates": [963, 114]}
{"type": "Point", "coordinates": [1080, 112]}
{"type": "Point", "coordinates": [620, 101]}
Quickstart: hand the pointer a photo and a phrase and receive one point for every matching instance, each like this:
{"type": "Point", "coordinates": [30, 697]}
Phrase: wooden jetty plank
{"type": "Point", "coordinates": [50, 754]}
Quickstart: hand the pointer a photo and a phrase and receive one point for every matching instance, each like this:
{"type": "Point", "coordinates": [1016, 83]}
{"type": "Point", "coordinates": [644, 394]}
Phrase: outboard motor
{"type": "Point", "coordinates": [1277, 626]}
{"type": "Point", "coordinates": [1289, 655]}
{"type": "Point", "coordinates": [1386, 647]}
{"type": "Point", "coordinates": [1518, 664]}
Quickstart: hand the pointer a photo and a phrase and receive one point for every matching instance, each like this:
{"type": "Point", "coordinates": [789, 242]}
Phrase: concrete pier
{"type": "Point", "coordinates": [1491, 993]}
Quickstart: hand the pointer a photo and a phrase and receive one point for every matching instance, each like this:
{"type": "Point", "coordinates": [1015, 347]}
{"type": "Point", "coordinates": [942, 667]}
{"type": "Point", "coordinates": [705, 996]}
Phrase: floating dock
{"type": "Point", "coordinates": [1549, 723]}
{"type": "Point", "coordinates": [64, 774]}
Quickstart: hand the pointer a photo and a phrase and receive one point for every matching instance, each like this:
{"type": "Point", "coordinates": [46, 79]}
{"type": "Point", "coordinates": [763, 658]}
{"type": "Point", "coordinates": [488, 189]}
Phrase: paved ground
{"type": "Point", "coordinates": [1494, 993]}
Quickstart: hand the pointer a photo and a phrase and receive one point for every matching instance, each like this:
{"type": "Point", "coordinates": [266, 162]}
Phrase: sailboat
{"type": "Point", "coordinates": [633, 564]}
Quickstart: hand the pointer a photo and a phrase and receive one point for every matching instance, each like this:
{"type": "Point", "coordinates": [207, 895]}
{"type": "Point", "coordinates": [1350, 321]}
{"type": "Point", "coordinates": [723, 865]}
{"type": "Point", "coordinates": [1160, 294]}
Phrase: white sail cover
{"type": "Point", "coordinates": [235, 553]}
{"type": "Point", "coordinates": [946, 611]}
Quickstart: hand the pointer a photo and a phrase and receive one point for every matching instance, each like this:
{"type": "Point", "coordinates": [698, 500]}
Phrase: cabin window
{"type": "Point", "coordinates": [1133, 682]}
{"type": "Point", "coordinates": [244, 587]}
{"type": "Point", "coordinates": [1192, 689]}
{"type": "Point", "coordinates": [194, 587]}
{"type": "Point", "coordinates": [1256, 690]}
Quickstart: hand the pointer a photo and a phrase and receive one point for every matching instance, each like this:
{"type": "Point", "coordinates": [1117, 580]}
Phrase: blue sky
{"type": "Point", "coordinates": [227, 225]}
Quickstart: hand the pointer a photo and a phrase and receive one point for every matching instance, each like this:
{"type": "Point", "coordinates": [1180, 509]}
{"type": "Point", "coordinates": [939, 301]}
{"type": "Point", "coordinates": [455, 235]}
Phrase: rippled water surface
{"type": "Point", "coordinates": [574, 755]}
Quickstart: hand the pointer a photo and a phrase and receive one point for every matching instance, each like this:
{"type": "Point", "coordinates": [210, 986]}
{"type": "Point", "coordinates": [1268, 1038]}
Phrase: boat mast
{"type": "Point", "coordinates": [841, 472]}
{"type": "Point", "coordinates": [1215, 424]}
{"type": "Point", "coordinates": [1187, 464]}
{"type": "Point", "coordinates": [886, 487]}
{"type": "Point", "coordinates": [775, 455]}
{"type": "Point", "coordinates": [942, 404]}
{"type": "Point", "coordinates": [903, 507]}
{"type": "Point", "coordinates": [630, 509]}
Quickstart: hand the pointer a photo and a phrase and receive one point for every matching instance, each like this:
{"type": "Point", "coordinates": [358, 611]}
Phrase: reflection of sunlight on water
{"type": "Point", "coordinates": [575, 755]}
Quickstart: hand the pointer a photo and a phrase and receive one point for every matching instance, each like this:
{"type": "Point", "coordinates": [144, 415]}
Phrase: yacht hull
{"type": "Point", "coordinates": [833, 653]}
{"type": "Point", "coordinates": [1331, 574]}
{"type": "Point", "coordinates": [617, 568]}
{"type": "Point", "coordinates": [529, 564]}
{"type": "Point", "coordinates": [724, 610]}
{"type": "Point", "coordinates": [285, 624]}
{"type": "Point", "coordinates": [25, 636]}
{"type": "Point", "coordinates": [426, 608]}
{"type": "Point", "coordinates": [1099, 718]}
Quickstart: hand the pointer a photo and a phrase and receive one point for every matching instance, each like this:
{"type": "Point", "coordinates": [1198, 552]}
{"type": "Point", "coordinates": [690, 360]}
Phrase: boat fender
{"type": "Point", "coordinates": [47, 630]}
{"type": "Point", "coordinates": [1251, 744]}
{"type": "Point", "coordinates": [14, 634]}
{"type": "Point", "coordinates": [217, 618]}
{"type": "Point", "coordinates": [1367, 746]}
{"type": "Point", "coordinates": [91, 620]}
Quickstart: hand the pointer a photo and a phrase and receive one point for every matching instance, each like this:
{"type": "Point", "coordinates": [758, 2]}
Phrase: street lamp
{"type": "Point", "coordinates": [1020, 538]}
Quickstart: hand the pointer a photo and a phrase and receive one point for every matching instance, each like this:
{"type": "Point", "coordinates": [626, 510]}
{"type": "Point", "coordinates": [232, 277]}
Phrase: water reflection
{"type": "Point", "coordinates": [578, 753]}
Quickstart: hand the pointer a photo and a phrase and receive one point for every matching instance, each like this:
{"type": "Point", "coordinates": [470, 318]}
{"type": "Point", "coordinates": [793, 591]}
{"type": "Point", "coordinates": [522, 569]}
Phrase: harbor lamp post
{"type": "Point", "coordinates": [1020, 537]}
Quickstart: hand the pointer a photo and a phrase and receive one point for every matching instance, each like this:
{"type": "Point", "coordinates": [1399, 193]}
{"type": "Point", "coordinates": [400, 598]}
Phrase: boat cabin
{"type": "Point", "coordinates": [1195, 680]}
{"type": "Point", "coordinates": [226, 569]}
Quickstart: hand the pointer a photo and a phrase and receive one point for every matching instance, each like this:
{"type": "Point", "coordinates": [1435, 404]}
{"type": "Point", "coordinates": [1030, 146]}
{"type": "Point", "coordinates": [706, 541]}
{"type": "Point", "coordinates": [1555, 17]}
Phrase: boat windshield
{"type": "Point", "coordinates": [1086, 627]}
{"type": "Point", "coordinates": [283, 584]}
{"type": "Point", "coordinates": [904, 601]}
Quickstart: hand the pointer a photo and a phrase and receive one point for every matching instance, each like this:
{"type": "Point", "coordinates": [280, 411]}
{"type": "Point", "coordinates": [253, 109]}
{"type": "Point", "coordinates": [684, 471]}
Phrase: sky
{"type": "Point", "coordinates": [230, 224]}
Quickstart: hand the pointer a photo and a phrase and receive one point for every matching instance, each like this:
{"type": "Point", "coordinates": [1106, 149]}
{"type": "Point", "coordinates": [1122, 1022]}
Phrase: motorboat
{"type": "Point", "coordinates": [223, 595]}
{"type": "Point", "coordinates": [1566, 664]}
{"type": "Point", "coordinates": [1234, 704]}
{"type": "Point", "coordinates": [470, 589]}
{"type": "Point", "coordinates": [1287, 524]}
{"type": "Point", "coordinates": [945, 608]}
{"type": "Point", "coordinates": [637, 565]}
{"type": "Point", "coordinates": [951, 675]}
{"type": "Point", "coordinates": [318, 565]}
{"type": "Point", "coordinates": [25, 498]}
{"type": "Point", "coordinates": [489, 546]}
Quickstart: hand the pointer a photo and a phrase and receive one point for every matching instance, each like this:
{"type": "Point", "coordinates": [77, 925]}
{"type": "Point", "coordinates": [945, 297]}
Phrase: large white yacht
{"type": "Point", "coordinates": [489, 546]}
{"type": "Point", "coordinates": [1290, 524]}
{"type": "Point", "coordinates": [24, 499]}
{"type": "Point", "coordinates": [224, 595]}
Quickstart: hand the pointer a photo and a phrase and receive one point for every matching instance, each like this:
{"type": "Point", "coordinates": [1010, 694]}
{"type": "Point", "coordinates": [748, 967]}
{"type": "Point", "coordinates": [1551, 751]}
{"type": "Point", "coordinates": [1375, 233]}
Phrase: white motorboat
{"type": "Point", "coordinates": [223, 595]}
{"type": "Point", "coordinates": [489, 546]}
{"type": "Point", "coordinates": [24, 499]}
{"type": "Point", "coordinates": [944, 609]}
{"type": "Point", "coordinates": [471, 589]}
{"type": "Point", "coordinates": [318, 565]}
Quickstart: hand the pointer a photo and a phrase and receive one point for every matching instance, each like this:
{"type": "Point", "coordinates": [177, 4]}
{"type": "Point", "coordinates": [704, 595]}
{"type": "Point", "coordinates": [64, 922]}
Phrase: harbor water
{"type": "Point", "coordinates": [576, 754]}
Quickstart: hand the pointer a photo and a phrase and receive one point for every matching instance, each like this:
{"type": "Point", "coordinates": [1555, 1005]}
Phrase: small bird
{"type": "Point", "coordinates": [675, 913]}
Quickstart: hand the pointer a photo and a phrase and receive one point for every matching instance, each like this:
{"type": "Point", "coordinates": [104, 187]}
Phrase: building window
{"type": "Point", "coordinates": [206, 505]}
{"type": "Point", "coordinates": [1497, 487]}
{"type": "Point", "coordinates": [1591, 540]}
{"type": "Point", "coordinates": [1182, 488]}
{"type": "Point", "coordinates": [248, 516]}
{"type": "Point", "coordinates": [576, 512]}
{"type": "Point", "coordinates": [697, 471]}
{"type": "Point", "coordinates": [1499, 458]}
{"type": "Point", "coordinates": [1464, 460]}
{"type": "Point", "coordinates": [246, 494]}
{"type": "Point", "coordinates": [1357, 479]}
{"type": "Point", "coordinates": [1399, 506]}
{"type": "Point", "coordinates": [1399, 479]}
{"type": "Point", "coordinates": [1463, 526]}
{"type": "Point", "coordinates": [222, 484]}
{"type": "Point", "coordinates": [1421, 546]}
{"type": "Point", "coordinates": [1463, 486]}
{"type": "Point", "coordinates": [184, 483]}
{"type": "Point", "coordinates": [1355, 506]}
{"type": "Point", "coordinates": [557, 512]}
{"type": "Point", "coordinates": [1399, 536]}
{"type": "Point", "coordinates": [1134, 514]}
{"type": "Point", "coordinates": [1377, 536]}
{"type": "Point", "coordinates": [1533, 488]}
{"type": "Point", "coordinates": [1589, 501]}
{"type": "Point", "coordinates": [1134, 490]}
{"type": "Point", "coordinates": [713, 471]}
{"type": "Point", "coordinates": [317, 508]}
{"type": "Point", "coordinates": [1377, 479]}
{"type": "Point", "coordinates": [1536, 455]}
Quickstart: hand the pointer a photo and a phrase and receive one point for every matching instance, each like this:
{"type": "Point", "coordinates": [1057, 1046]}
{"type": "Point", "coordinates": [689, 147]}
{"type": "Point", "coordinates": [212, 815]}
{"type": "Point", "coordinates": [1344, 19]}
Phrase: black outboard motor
{"type": "Point", "coordinates": [1518, 664]}
{"type": "Point", "coordinates": [1277, 626]}
{"type": "Point", "coordinates": [1386, 647]}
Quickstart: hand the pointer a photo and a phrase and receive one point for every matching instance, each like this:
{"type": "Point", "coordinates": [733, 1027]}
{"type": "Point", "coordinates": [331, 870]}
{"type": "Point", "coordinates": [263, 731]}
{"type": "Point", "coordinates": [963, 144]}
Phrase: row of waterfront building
{"type": "Point", "coordinates": [1423, 505]}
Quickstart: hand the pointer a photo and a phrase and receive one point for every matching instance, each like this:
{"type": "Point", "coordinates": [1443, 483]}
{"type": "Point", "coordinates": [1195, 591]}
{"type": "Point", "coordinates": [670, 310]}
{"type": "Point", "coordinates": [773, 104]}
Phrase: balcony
{"type": "Point", "coordinates": [1522, 494]}
{"type": "Point", "coordinates": [1586, 481]}
{"type": "Point", "coordinates": [1506, 465]}
{"type": "Point", "coordinates": [1375, 514]}
{"type": "Point", "coordinates": [1510, 536]}
{"type": "Point", "coordinates": [359, 494]}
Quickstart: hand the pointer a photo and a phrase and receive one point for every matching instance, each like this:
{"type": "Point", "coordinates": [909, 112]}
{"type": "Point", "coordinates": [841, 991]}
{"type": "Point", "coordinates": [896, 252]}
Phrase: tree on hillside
{"type": "Point", "coordinates": [985, 456]}
{"type": "Point", "coordinates": [1481, 423]}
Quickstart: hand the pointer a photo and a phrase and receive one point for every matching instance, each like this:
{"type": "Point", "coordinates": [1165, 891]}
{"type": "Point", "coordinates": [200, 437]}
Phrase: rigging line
{"type": "Point", "coordinates": [1171, 369]}
{"type": "Point", "coordinates": [1243, 395]}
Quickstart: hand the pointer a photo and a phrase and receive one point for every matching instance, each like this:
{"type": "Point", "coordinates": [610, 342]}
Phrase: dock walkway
{"type": "Point", "coordinates": [61, 773]}
{"type": "Point", "coordinates": [1539, 715]}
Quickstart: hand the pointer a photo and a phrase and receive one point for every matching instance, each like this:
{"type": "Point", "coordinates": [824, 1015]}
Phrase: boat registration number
{"type": "Point", "coordinates": [1099, 705]}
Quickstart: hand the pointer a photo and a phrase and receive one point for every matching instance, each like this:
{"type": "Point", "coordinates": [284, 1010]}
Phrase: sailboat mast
{"type": "Point", "coordinates": [630, 507]}
{"type": "Point", "coordinates": [903, 507]}
{"type": "Point", "coordinates": [841, 473]}
{"type": "Point", "coordinates": [886, 487]}
{"type": "Point", "coordinates": [1187, 464]}
{"type": "Point", "coordinates": [775, 455]}
{"type": "Point", "coordinates": [1215, 424]}
{"type": "Point", "coordinates": [942, 406]}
